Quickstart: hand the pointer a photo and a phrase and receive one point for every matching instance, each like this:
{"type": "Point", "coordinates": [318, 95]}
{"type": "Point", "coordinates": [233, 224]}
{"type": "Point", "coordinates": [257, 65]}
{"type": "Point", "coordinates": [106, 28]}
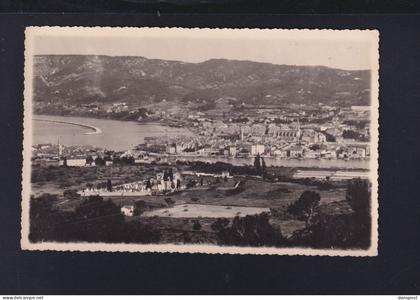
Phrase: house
{"type": "Point", "coordinates": [357, 152]}
{"type": "Point", "coordinates": [127, 210]}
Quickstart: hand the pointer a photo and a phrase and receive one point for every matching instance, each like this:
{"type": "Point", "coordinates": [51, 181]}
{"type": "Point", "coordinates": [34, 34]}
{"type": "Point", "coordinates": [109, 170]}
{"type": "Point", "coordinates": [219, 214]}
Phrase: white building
{"type": "Point", "coordinates": [127, 210]}
{"type": "Point", "coordinates": [279, 153]}
{"type": "Point", "coordinates": [257, 149]}
{"type": "Point", "coordinates": [232, 151]}
{"type": "Point", "coordinates": [73, 162]}
{"type": "Point", "coordinates": [172, 149]}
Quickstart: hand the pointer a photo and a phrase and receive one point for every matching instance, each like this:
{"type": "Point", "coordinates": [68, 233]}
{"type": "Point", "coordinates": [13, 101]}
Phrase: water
{"type": "Point", "coordinates": [205, 211]}
{"type": "Point", "coordinates": [124, 135]}
{"type": "Point", "coordinates": [113, 135]}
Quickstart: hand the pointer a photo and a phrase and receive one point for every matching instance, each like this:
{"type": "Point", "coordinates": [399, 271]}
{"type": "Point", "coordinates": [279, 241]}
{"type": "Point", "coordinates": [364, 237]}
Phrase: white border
{"type": "Point", "coordinates": [31, 32]}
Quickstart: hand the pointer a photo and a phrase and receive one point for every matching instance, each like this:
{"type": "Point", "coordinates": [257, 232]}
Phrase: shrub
{"type": "Point", "coordinates": [305, 207]}
{"type": "Point", "coordinates": [71, 194]}
{"type": "Point", "coordinates": [196, 225]}
{"type": "Point", "coordinates": [169, 201]}
{"type": "Point", "coordinates": [139, 207]}
{"type": "Point", "coordinates": [358, 195]}
{"type": "Point", "coordinates": [252, 230]}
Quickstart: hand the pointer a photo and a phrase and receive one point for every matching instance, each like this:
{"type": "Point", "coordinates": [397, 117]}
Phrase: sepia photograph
{"type": "Point", "coordinates": [239, 141]}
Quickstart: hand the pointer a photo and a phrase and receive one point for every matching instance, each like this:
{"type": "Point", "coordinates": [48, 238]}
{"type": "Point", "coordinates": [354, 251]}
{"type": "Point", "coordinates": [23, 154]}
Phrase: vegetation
{"type": "Point", "coordinates": [257, 163]}
{"type": "Point", "coordinates": [341, 230]}
{"type": "Point", "coordinates": [94, 220]}
{"type": "Point", "coordinates": [305, 207]}
{"type": "Point", "coordinates": [252, 230]}
{"type": "Point", "coordinates": [351, 134]}
{"type": "Point", "coordinates": [295, 207]}
{"type": "Point", "coordinates": [196, 225]}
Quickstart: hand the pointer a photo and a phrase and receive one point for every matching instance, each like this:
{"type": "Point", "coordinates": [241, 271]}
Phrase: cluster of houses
{"type": "Point", "coordinates": [162, 182]}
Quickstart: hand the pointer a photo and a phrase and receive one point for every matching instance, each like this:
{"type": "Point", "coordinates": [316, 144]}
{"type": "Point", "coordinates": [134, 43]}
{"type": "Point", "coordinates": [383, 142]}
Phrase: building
{"type": "Point", "coordinates": [288, 134]}
{"type": "Point", "coordinates": [73, 162]}
{"type": "Point", "coordinates": [357, 152]}
{"type": "Point", "coordinates": [257, 149]}
{"type": "Point", "coordinates": [172, 149]}
{"type": "Point", "coordinates": [320, 137]}
{"type": "Point", "coordinates": [127, 210]}
{"type": "Point", "coordinates": [295, 151]}
{"type": "Point", "coordinates": [279, 153]}
{"type": "Point", "coordinates": [232, 151]}
{"type": "Point", "coordinates": [312, 154]}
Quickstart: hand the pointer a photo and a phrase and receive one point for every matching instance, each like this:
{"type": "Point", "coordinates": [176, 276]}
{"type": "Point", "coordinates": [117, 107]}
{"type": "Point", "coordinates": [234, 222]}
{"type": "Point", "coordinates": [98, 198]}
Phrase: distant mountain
{"type": "Point", "coordinates": [141, 81]}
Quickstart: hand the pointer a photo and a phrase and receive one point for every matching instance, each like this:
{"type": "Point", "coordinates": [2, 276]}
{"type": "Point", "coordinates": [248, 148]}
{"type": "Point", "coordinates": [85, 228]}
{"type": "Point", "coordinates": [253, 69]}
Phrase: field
{"type": "Point", "coordinates": [253, 191]}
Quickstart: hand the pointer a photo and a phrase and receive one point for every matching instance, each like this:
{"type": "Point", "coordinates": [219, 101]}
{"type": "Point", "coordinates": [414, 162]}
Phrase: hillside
{"type": "Point", "coordinates": [141, 81]}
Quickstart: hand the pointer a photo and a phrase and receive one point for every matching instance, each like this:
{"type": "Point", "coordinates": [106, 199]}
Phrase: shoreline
{"type": "Point", "coordinates": [96, 130]}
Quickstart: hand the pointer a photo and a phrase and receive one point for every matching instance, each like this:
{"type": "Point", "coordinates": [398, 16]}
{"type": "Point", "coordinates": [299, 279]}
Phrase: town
{"type": "Point", "coordinates": [295, 132]}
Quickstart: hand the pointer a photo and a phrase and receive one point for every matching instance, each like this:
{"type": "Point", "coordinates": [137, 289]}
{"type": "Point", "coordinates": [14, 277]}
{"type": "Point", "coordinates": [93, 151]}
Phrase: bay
{"type": "Point", "coordinates": [102, 133]}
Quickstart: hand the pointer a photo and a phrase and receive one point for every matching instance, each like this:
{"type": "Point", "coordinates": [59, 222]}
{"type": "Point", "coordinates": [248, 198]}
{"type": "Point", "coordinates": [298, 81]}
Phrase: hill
{"type": "Point", "coordinates": [141, 81]}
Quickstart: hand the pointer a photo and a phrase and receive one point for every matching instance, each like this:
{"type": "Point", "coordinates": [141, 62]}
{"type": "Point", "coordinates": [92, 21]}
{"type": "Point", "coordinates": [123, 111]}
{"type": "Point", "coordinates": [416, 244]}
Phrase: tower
{"type": "Point", "coordinates": [60, 149]}
{"type": "Point", "coordinates": [299, 132]}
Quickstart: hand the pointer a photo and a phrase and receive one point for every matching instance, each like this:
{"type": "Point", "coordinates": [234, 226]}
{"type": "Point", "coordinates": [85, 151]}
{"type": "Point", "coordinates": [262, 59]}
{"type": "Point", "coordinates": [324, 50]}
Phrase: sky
{"type": "Point", "coordinates": [348, 50]}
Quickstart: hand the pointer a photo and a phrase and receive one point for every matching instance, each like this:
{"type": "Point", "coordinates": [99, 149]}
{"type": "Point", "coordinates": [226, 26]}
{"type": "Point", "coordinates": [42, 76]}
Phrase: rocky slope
{"type": "Point", "coordinates": [137, 80]}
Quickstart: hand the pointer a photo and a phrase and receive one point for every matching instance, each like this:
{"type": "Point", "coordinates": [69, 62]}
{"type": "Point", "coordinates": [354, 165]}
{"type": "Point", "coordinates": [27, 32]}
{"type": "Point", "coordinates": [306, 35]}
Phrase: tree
{"type": "Point", "coordinates": [257, 163]}
{"type": "Point", "coordinates": [42, 218]}
{"type": "Point", "coordinates": [109, 185]}
{"type": "Point", "coordinates": [251, 230]}
{"type": "Point", "coordinates": [99, 161]}
{"type": "Point", "coordinates": [89, 160]}
{"type": "Point", "coordinates": [165, 176]}
{"type": "Point", "coordinates": [71, 194]}
{"type": "Point", "coordinates": [358, 196]}
{"type": "Point", "coordinates": [148, 185]}
{"type": "Point", "coordinates": [263, 166]}
{"type": "Point", "coordinates": [171, 174]}
{"type": "Point", "coordinates": [169, 202]}
{"type": "Point", "coordinates": [196, 225]}
{"type": "Point", "coordinates": [305, 207]}
{"type": "Point", "coordinates": [139, 207]}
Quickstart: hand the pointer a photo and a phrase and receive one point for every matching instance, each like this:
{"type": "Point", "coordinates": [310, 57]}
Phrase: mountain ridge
{"type": "Point", "coordinates": [140, 81]}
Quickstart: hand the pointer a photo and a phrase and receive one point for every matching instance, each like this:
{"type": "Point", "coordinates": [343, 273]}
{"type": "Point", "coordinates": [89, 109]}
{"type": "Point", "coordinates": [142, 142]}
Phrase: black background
{"type": "Point", "coordinates": [395, 271]}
